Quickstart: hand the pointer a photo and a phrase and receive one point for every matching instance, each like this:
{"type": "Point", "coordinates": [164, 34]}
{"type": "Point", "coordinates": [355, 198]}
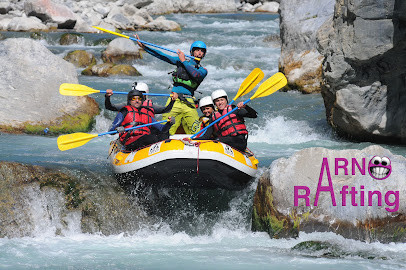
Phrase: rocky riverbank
{"type": "Point", "coordinates": [50, 15]}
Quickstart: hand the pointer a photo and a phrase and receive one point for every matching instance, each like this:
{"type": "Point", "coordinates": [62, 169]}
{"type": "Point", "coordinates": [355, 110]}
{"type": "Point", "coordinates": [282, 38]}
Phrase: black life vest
{"type": "Point", "coordinates": [135, 117]}
{"type": "Point", "coordinates": [231, 125]}
{"type": "Point", "coordinates": [181, 77]}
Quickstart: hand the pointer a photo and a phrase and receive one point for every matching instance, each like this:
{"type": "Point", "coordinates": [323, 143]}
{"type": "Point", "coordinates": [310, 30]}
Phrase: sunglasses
{"type": "Point", "coordinates": [136, 98]}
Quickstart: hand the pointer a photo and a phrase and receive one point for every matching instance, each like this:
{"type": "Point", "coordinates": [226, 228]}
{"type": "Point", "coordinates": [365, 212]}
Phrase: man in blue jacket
{"type": "Point", "coordinates": [187, 77]}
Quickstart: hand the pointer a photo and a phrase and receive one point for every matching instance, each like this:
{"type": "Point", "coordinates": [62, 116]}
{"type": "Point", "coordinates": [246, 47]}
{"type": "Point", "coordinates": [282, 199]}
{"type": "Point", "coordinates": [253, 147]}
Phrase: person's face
{"type": "Point", "coordinates": [136, 101]}
{"type": "Point", "coordinates": [221, 103]}
{"type": "Point", "coordinates": [207, 110]}
{"type": "Point", "coordinates": [198, 52]}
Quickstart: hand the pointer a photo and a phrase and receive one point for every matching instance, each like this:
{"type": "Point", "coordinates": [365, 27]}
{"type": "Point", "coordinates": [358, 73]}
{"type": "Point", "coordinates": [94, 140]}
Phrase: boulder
{"type": "Point", "coordinates": [108, 69]}
{"type": "Point", "coordinates": [26, 24]}
{"type": "Point", "coordinates": [364, 47]}
{"type": "Point", "coordinates": [30, 76]}
{"type": "Point", "coordinates": [355, 193]}
{"type": "Point", "coordinates": [300, 61]}
{"type": "Point", "coordinates": [71, 38]}
{"type": "Point", "coordinates": [121, 51]}
{"type": "Point", "coordinates": [48, 11]}
{"type": "Point", "coordinates": [80, 58]}
{"type": "Point", "coordinates": [271, 7]}
{"type": "Point", "coordinates": [162, 24]}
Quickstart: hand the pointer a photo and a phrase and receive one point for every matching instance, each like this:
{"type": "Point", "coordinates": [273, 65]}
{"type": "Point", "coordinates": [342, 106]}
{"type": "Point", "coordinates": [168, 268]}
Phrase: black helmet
{"type": "Point", "coordinates": [134, 93]}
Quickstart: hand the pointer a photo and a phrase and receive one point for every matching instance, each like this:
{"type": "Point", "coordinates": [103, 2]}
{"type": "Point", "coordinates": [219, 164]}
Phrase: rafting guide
{"type": "Point", "coordinates": [379, 168]}
{"type": "Point", "coordinates": [187, 77]}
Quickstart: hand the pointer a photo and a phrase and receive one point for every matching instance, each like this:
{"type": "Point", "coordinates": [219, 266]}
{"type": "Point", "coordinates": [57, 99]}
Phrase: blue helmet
{"type": "Point", "coordinates": [198, 44]}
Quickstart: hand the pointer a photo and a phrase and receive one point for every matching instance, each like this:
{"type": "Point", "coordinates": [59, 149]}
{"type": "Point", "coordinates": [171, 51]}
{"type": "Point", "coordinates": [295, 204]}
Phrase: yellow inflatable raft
{"type": "Point", "coordinates": [177, 163]}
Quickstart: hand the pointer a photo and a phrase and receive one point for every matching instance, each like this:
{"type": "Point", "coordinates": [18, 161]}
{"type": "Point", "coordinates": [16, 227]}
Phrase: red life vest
{"type": "Point", "coordinates": [148, 105]}
{"type": "Point", "coordinates": [135, 117]}
{"type": "Point", "coordinates": [231, 125]}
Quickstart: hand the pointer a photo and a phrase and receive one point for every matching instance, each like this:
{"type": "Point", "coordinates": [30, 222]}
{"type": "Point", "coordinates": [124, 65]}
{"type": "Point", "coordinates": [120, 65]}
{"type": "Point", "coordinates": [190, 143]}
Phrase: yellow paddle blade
{"type": "Point", "coordinates": [270, 86]}
{"type": "Point", "coordinates": [69, 141]}
{"type": "Point", "coordinates": [111, 32]}
{"type": "Point", "coordinates": [250, 82]}
{"type": "Point", "coordinates": [71, 89]}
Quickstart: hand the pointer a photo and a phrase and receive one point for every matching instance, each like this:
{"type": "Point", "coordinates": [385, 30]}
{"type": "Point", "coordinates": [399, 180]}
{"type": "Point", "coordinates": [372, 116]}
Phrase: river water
{"type": "Point", "coordinates": [206, 234]}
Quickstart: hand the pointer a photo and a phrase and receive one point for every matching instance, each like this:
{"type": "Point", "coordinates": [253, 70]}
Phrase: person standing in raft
{"type": "Point", "coordinates": [187, 77]}
{"type": "Point", "coordinates": [143, 88]}
{"type": "Point", "coordinates": [134, 114]}
{"type": "Point", "coordinates": [231, 129]}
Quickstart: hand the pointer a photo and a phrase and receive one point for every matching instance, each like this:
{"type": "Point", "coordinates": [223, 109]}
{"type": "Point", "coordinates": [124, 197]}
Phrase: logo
{"type": "Point", "coordinates": [379, 167]}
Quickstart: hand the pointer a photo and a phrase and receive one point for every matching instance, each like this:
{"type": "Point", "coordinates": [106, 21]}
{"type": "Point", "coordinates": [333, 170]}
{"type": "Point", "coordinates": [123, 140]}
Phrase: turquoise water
{"type": "Point", "coordinates": [198, 230]}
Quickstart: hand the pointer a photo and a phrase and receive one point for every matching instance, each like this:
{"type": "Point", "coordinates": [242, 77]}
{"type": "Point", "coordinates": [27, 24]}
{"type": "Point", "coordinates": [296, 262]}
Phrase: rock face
{"type": "Point", "coordinates": [300, 61]}
{"type": "Point", "coordinates": [328, 190]}
{"type": "Point", "coordinates": [30, 76]}
{"type": "Point", "coordinates": [35, 200]}
{"type": "Point", "coordinates": [364, 70]}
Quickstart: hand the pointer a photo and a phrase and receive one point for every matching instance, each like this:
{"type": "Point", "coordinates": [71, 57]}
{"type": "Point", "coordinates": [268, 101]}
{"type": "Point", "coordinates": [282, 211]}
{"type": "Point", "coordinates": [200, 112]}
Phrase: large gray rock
{"type": "Point", "coordinates": [162, 24]}
{"type": "Point", "coordinates": [30, 76]}
{"type": "Point", "coordinates": [364, 70]}
{"type": "Point", "coordinates": [121, 50]}
{"type": "Point", "coordinates": [48, 11]}
{"type": "Point", "coordinates": [351, 211]}
{"type": "Point", "coordinates": [25, 24]}
{"type": "Point", "coordinates": [299, 22]}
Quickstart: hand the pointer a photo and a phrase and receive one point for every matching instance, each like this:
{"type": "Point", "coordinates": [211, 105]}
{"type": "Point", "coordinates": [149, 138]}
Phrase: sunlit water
{"type": "Point", "coordinates": [199, 230]}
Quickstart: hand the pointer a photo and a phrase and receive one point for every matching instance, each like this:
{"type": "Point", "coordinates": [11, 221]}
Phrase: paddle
{"type": "Point", "coordinates": [71, 89]}
{"type": "Point", "coordinates": [144, 42]}
{"type": "Point", "coordinates": [249, 83]}
{"type": "Point", "coordinates": [270, 86]}
{"type": "Point", "coordinates": [70, 141]}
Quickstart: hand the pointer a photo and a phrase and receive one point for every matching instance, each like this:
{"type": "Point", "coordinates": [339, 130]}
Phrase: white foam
{"type": "Point", "coordinates": [279, 130]}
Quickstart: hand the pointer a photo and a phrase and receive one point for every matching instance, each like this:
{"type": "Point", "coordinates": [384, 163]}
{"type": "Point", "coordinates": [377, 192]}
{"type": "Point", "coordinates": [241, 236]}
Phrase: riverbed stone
{"type": "Point", "coordinates": [71, 38]}
{"type": "Point", "coordinates": [300, 60]}
{"type": "Point", "coordinates": [49, 11]}
{"type": "Point", "coordinates": [162, 24]}
{"type": "Point", "coordinates": [80, 58]}
{"type": "Point", "coordinates": [37, 93]}
{"type": "Point", "coordinates": [121, 51]}
{"type": "Point", "coordinates": [26, 24]}
{"type": "Point", "coordinates": [381, 217]}
{"type": "Point", "coordinates": [364, 70]}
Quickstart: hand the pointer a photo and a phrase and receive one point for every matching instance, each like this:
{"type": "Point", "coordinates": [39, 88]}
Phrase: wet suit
{"type": "Point", "coordinates": [186, 78]}
{"type": "Point", "coordinates": [238, 142]}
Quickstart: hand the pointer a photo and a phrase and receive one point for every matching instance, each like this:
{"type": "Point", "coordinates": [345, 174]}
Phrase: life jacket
{"type": "Point", "coordinates": [148, 105]}
{"type": "Point", "coordinates": [231, 125]}
{"type": "Point", "coordinates": [135, 117]}
{"type": "Point", "coordinates": [204, 122]}
{"type": "Point", "coordinates": [181, 77]}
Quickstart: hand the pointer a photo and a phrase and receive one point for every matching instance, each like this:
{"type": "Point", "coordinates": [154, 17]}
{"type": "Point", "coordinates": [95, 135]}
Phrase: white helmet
{"type": "Point", "coordinates": [205, 101]}
{"type": "Point", "coordinates": [142, 87]}
{"type": "Point", "coordinates": [219, 93]}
